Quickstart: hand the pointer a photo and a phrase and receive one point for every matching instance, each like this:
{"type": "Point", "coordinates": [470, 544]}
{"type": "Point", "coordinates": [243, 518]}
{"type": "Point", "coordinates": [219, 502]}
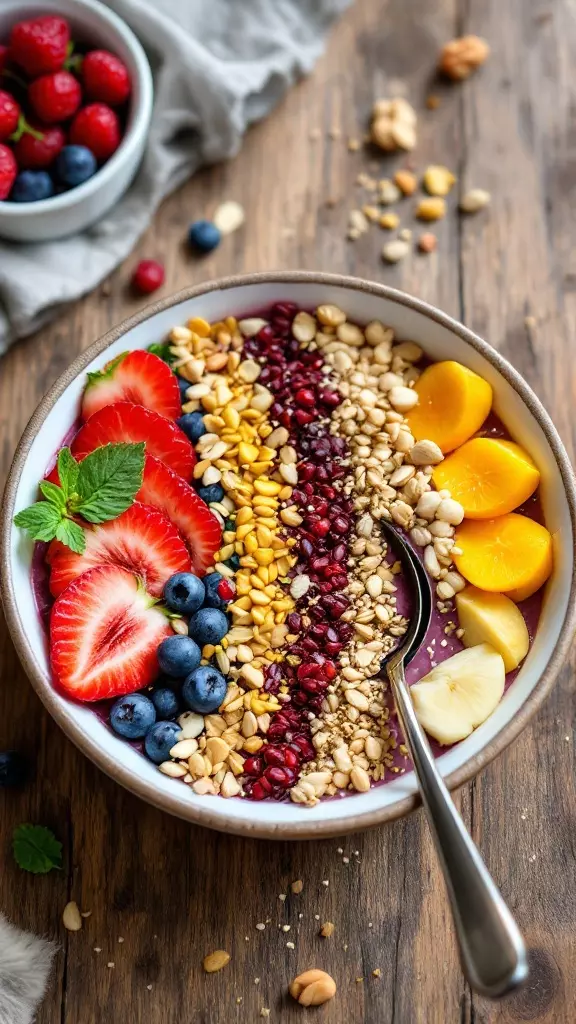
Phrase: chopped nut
{"type": "Point", "coordinates": [313, 987]}
{"type": "Point", "coordinates": [216, 961]}
{"type": "Point", "coordinates": [438, 180]}
{"type": "Point", "coordinates": [474, 200]}
{"type": "Point", "coordinates": [425, 453]}
{"type": "Point", "coordinates": [327, 930]}
{"type": "Point", "coordinates": [460, 57]}
{"type": "Point", "coordinates": [393, 124]}
{"type": "Point", "coordinates": [389, 221]}
{"type": "Point", "coordinates": [297, 886]}
{"type": "Point", "coordinates": [229, 217]}
{"type": "Point", "coordinates": [71, 917]}
{"type": "Point", "coordinates": [406, 181]}
{"type": "Point", "coordinates": [431, 209]}
{"type": "Point", "coordinates": [395, 250]}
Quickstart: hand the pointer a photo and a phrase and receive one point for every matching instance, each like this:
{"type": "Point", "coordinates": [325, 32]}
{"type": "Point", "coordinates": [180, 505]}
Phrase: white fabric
{"type": "Point", "coordinates": [219, 65]}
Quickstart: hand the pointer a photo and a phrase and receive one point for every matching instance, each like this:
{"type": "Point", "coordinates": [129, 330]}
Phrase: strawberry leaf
{"type": "Point", "coordinates": [36, 849]}
{"type": "Point", "coordinates": [40, 520]}
{"type": "Point", "coordinates": [72, 535]}
{"type": "Point", "coordinates": [68, 470]}
{"type": "Point", "coordinates": [54, 494]}
{"type": "Point", "coordinates": [108, 481]}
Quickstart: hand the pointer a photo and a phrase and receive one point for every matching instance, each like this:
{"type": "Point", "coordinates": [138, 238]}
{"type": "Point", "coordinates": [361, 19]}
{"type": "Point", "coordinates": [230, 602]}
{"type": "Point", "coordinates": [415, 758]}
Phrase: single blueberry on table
{"type": "Point", "coordinates": [178, 655]}
{"type": "Point", "coordinates": [14, 769]}
{"type": "Point", "coordinates": [204, 690]}
{"type": "Point", "coordinates": [208, 626]}
{"type": "Point", "coordinates": [160, 740]}
{"type": "Point", "coordinates": [75, 164]}
{"type": "Point", "coordinates": [184, 593]}
{"type": "Point", "coordinates": [192, 423]}
{"type": "Point", "coordinates": [131, 716]}
{"type": "Point", "coordinates": [30, 186]}
{"type": "Point", "coordinates": [213, 492]}
{"type": "Point", "coordinates": [219, 591]}
{"type": "Point", "coordinates": [204, 236]}
{"type": "Point", "coordinates": [166, 703]}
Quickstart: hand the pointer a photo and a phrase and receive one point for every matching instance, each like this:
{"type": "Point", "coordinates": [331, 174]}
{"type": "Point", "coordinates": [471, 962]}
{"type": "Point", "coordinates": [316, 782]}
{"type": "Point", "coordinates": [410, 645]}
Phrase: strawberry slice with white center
{"type": "Point", "coordinates": [125, 421]}
{"type": "Point", "coordinates": [104, 634]}
{"type": "Point", "coordinates": [139, 377]}
{"type": "Point", "coordinates": [175, 498]}
{"type": "Point", "coordinates": [141, 540]}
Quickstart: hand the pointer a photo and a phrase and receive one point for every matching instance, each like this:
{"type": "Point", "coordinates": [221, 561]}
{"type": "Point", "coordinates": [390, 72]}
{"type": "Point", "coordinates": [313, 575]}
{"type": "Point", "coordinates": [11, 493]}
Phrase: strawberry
{"type": "Point", "coordinates": [8, 170]}
{"type": "Point", "coordinates": [141, 540]}
{"type": "Point", "coordinates": [138, 377]}
{"type": "Point", "coordinates": [9, 114]}
{"type": "Point", "coordinates": [98, 128]}
{"type": "Point", "coordinates": [37, 153]}
{"type": "Point", "coordinates": [40, 44]}
{"type": "Point", "coordinates": [166, 491]}
{"type": "Point", "coordinates": [125, 421]}
{"type": "Point", "coordinates": [104, 634]}
{"type": "Point", "coordinates": [105, 78]}
{"type": "Point", "coordinates": [55, 97]}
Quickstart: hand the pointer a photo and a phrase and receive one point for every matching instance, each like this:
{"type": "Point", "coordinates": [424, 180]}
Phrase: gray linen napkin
{"type": "Point", "coordinates": [219, 66]}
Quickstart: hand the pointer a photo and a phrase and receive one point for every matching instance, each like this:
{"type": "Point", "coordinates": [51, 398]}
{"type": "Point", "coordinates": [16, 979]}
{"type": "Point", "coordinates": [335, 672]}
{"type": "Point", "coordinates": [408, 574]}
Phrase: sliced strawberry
{"type": "Point", "coordinates": [141, 540]}
{"type": "Point", "coordinates": [139, 377]}
{"type": "Point", "coordinates": [104, 634]}
{"type": "Point", "coordinates": [125, 421]}
{"type": "Point", "coordinates": [197, 524]}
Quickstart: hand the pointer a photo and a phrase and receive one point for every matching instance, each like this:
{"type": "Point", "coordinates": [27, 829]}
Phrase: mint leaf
{"type": "Point", "coordinates": [107, 371]}
{"type": "Point", "coordinates": [72, 535]}
{"type": "Point", "coordinates": [108, 481]}
{"type": "Point", "coordinates": [41, 520]}
{"type": "Point", "coordinates": [54, 494]}
{"type": "Point", "coordinates": [36, 849]}
{"type": "Point", "coordinates": [162, 350]}
{"type": "Point", "coordinates": [68, 470]}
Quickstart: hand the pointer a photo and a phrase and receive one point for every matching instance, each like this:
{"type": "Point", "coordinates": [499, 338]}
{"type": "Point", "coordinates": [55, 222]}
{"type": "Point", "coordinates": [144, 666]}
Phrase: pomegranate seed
{"type": "Point", "coordinates": [305, 397]}
{"type": "Point", "coordinates": [253, 766]}
{"type": "Point", "coordinates": [340, 524]}
{"type": "Point", "coordinates": [339, 553]}
{"type": "Point", "coordinates": [284, 309]}
{"type": "Point", "coordinates": [302, 417]}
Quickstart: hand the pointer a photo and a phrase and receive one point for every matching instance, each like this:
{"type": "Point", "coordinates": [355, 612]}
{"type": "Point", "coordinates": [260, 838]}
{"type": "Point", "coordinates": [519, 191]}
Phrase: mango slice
{"type": "Point", "coordinates": [453, 403]}
{"type": "Point", "coordinates": [488, 477]}
{"type": "Point", "coordinates": [509, 555]}
{"type": "Point", "coordinates": [493, 619]}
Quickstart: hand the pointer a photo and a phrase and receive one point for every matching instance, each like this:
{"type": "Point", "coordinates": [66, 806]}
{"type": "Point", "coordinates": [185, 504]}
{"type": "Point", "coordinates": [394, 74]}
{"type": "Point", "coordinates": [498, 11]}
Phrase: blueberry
{"type": "Point", "coordinates": [192, 423]}
{"type": "Point", "coordinates": [204, 690]}
{"type": "Point", "coordinates": [203, 236]}
{"type": "Point", "coordinates": [160, 740]}
{"type": "Point", "coordinates": [166, 703]}
{"type": "Point", "coordinates": [233, 562]}
{"type": "Point", "coordinates": [178, 655]}
{"type": "Point", "coordinates": [208, 626]}
{"type": "Point", "coordinates": [14, 769]}
{"type": "Point", "coordinates": [213, 492]}
{"type": "Point", "coordinates": [183, 385]}
{"type": "Point", "coordinates": [75, 164]}
{"type": "Point", "coordinates": [184, 593]}
{"type": "Point", "coordinates": [30, 186]}
{"type": "Point", "coordinates": [131, 716]}
{"type": "Point", "coordinates": [217, 595]}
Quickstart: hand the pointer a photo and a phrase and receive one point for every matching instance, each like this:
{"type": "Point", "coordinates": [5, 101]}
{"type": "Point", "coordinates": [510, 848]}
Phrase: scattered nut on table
{"type": "Point", "coordinates": [460, 57]}
{"type": "Point", "coordinates": [474, 200]}
{"type": "Point", "coordinates": [216, 961]}
{"type": "Point", "coordinates": [312, 988]}
{"type": "Point", "coordinates": [393, 124]}
{"type": "Point", "coordinates": [71, 917]}
{"type": "Point", "coordinates": [438, 180]}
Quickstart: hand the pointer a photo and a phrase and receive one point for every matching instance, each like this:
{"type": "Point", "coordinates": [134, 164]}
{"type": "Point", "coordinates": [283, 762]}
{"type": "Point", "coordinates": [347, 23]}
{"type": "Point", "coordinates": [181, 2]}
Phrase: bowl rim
{"type": "Point", "coordinates": [204, 814]}
{"type": "Point", "coordinates": [141, 113]}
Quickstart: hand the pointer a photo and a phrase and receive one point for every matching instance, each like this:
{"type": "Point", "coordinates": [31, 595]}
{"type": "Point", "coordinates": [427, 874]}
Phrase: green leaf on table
{"type": "Point", "coordinates": [54, 494]}
{"type": "Point", "coordinates": [40, 520]}
{"type": "Point", "coordinates": [68, 470]}
{"type": "Point", "coordinates": [108, 481]}
{"type": "Point", "coordinates": [36, 849]}
{"type": "Point", "coordinates": [72, 535]}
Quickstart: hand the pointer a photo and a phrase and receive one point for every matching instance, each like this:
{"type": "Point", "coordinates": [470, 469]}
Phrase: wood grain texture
{"type": "Point", "coordinates": [173, 893]}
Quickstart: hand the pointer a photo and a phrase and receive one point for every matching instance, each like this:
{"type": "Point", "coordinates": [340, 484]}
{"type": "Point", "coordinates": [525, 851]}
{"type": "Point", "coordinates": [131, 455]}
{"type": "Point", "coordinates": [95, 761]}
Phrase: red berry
{"type": "Point", "coordinates": [98, 128]}
{"type": "Point", "coordinates": [148, 276]}
{"type": "Point", "coordinates": [105, 78]}
{"type": "Point", "coordinates": [9, 114]}
{"type": "Point", "coordinates": [33, 153]}
{"type": "Point", "coordinates": [40, 44]}
{"type": "Point", "coordinates": [55, 97]}
{"type": "Point", "coordinates": [8, 170]}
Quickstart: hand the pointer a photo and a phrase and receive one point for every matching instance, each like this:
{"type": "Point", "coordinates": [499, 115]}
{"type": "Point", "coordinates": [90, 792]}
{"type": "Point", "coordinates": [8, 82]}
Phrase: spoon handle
{"type": "Point", "coordinates": [492, 950]}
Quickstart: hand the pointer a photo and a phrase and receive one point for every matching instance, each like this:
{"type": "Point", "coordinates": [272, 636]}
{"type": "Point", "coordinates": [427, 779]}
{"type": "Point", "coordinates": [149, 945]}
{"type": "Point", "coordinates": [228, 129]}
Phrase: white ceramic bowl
{"type": "Point", "coordinates": [442, 338]}
{"type": "Point", "coordinates": [93, 23]}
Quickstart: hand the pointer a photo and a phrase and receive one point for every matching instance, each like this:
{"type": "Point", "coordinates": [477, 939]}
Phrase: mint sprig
{"type": "Point", "coordinates": [36, 849]}
{"type": "Point", "coordinates": [98, 489]}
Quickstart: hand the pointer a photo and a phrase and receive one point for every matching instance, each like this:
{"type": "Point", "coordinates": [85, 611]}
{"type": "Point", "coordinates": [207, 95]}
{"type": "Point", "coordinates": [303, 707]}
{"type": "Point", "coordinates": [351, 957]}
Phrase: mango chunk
{"type": "Point", "coordinates": [453, 403]}
{"type": "Point", "coordinates": [489, 477]}
{"type": "Point", "coordinates": [493, 619]}
{"type": "Point", "coordinates": [511, 554]}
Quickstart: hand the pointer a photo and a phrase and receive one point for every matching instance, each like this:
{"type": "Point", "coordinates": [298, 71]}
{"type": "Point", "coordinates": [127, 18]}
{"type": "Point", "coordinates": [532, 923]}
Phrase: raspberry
{"type": "Point", "coordinates": [40, 44]}
{"type": "Point", "coordinates": [36, 153]}
{"type": "Point", "coordinates": [96, 127]}
{"type": "Point", "coordinates": [9, 114]}
{"type": "Point", "coordinates": [148, 276]}
{"type": "Point", "coordinates": [55, 97]}
{"type": "Point", "coordinates": [105, 78]}
{"type": "Point", "coordinates": [8, 170]}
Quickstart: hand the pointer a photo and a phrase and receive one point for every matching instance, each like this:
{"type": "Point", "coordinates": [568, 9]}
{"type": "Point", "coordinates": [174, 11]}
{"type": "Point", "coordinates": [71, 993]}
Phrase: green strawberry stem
{"type": "Point", "coordinates": [25, 129]}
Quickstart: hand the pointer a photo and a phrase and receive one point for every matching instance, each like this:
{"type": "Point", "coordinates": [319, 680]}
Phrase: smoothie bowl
{"type": "Point", "coordinates": [200, 592]}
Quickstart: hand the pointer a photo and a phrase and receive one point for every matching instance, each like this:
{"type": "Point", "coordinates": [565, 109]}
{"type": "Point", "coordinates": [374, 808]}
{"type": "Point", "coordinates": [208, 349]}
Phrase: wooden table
{"type": "Point", "coordinates": [163, 894]}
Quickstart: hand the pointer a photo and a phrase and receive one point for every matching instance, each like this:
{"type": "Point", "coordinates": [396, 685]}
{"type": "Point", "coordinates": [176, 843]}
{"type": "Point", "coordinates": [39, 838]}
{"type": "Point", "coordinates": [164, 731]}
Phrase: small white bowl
{"type": "Point", "coordinates": [65, 214]}
{"type": "Point", "coordinates": [442, 338]}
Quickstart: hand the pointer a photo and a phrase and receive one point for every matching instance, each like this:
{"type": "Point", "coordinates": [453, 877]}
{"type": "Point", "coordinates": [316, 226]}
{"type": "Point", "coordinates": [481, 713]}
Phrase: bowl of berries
{"type": "Point", "coordinates": [195, 573]}
{"type": "Point", "coordinates": [75, 107]}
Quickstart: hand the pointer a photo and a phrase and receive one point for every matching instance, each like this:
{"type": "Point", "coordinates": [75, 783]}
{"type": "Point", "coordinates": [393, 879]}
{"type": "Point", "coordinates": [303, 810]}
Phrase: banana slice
{"type": "Point", "coordinates": [460, 693]}
{"type": "Point", "coordinates": [493, 619]}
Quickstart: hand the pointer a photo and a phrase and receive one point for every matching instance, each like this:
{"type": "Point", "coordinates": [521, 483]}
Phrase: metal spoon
{"type": "Point", "coordinates": [492, 950]}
